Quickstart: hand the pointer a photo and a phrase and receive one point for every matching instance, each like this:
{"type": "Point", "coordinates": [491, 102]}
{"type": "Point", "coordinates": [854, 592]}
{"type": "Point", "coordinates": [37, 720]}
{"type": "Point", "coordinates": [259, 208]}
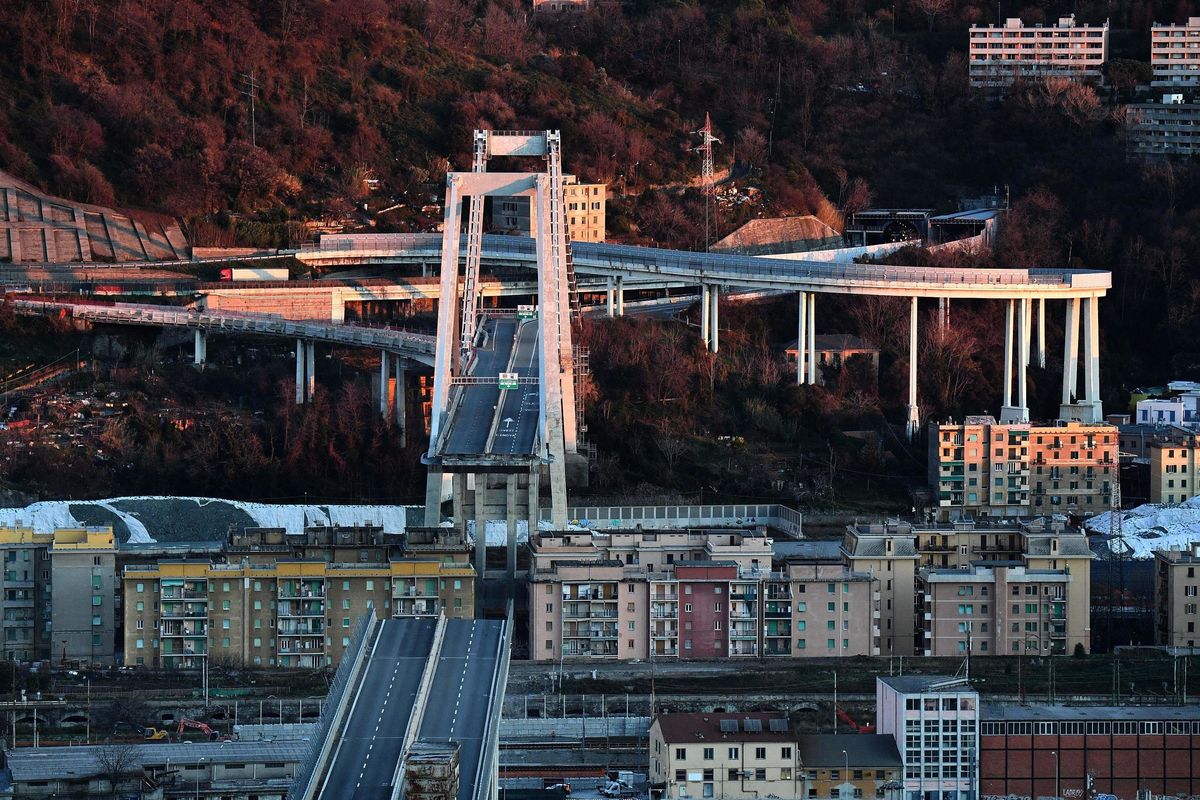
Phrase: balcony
{"type": "Point", "coordinates": [183, 594]}
{"type": "Point", "coordinates": [778, 613]}
{"type": "Point", "coordinates": [672, 633]}
{"type": "Point", "coordinates": [743, 649]}
{"type": "Point", "coordinates": [301, 592]}
{"type": "Point", "coordinates": [315, 628]}
{"type": "Point", "coordinates": [400, 591]}
{"type": "Point", "coordinates": [417, 608]}
{"type": "Point", "coordinates": [781, 648]}
{"type": "Point", "coordinates": [298, 648]}
{"type": "Point", "coordinates": [665, 652]}
{"type": "Point", "coordinates": [576, 611]}
{"type": "Point", "coordinates": [301, 608]}
{"type": "Point", "coordinates": [189, 611]}
{"type": "Point", "coordinates": [656, 597]}
{"type": "Point", "coordinates": [197, 630]}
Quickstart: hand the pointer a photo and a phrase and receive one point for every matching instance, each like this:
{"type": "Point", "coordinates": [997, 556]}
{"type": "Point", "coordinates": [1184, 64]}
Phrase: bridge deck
{"type": "Point", "coordinates": [732, 270]}
{"type": "Point", "coordinates": [365, 761]}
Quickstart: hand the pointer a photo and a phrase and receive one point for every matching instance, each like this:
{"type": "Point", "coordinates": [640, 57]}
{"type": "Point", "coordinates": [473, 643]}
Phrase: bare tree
{"type": "Point", "coordinates": [932, 9]}
{"type": "Point", "coordinates": [115, 762]}
{"type": "Point", "coordinates": [672, 448]}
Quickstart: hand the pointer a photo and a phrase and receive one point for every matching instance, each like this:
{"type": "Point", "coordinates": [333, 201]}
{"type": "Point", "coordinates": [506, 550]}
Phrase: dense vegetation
{"type": "Point", "coordinates": [825, 105]}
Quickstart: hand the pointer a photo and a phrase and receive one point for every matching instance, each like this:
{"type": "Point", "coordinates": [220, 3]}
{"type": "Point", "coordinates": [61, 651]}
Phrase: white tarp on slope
{"type": "Point", "coordinates": [46, 516]}
{"type": "Point", "coordinates": [1152, 527]}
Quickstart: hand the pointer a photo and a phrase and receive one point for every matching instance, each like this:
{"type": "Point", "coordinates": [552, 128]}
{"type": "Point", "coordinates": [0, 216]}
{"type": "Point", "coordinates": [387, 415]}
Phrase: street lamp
{"type": "Point", "coordinates": [846, 756]}
{"type": "Point", "coordinates": [199, 770]}
{"type": "Point", "coordinates": [1057, 792]}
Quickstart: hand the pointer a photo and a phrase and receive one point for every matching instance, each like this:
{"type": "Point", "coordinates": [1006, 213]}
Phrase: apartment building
{"type": "Point", "coordinates": [691, 595]}
{"type": "Point", "coordinates": [1169, 128]}
{"type": "Point", "coordinates": [561, 5]}
{"type": "Point", "coordinates": [1176, 585]}
{"type": "Point", "coordinates": [755, 755]}
{"type": "Point", "coordinates": [585, 205]}
{"type": "Point", "coordinates": [1175, 53]}
{"type": "Point", "coordinates": [990, 469]}
{"type": "Point", "coordinates": [952, 570]}
{"type": "Point", "coordinates": [888, 554]}
{"type": "Point", "coordinates": [1001, 55]}
{"type": "Point", "coordinates": [287, 613]}
{"type": "Point", "coordinates": [58, 594]}
{"type": "Point", "coordinates": [934, 721]}
{"type": "Point", "coordinates": [1174, 469]}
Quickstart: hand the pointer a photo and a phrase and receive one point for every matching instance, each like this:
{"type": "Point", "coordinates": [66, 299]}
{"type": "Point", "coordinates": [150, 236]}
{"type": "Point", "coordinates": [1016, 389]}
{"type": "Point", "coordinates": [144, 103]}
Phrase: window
{"type": "Point", "coordinates": [785, 774]}
{"type": "Point", "coordinates": [760, 753]}
{"type": "Point", "coordinates": [708, 774]}
{"type": "Point", "coordinates": [708, 754]}
{"type": "Point", "coordinates": [786, 752]}
{"type": "Point", "coordinates": [708, 790]}
{"type": "Point", "coordinates": [733, 753]}
{"type": "Point", "coordinates": [681, 777]}
{"type": "Point", "coordinates": [760, 774]}
{"type": "Point", "coordinates": [733, 774]}
{"type": "Point", "coordinates": [680, 753]}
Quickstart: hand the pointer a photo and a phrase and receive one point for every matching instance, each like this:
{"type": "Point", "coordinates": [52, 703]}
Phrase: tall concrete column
{"type": "Point", "coordinates": [812, 338]}
{"type": "Point", "coordinates": [401, 372]}
{"type": "Point", "coordinates": [385, 363]}
{"type": "Point", "coordinates": [310, 379]}
{"type": "Point", "coordinates": [609, 295]}
{"type": "Point", "coordinates": [1008, 348]}
{"type": "Point", "coordinates": [705, 333]}
{"type": "Point", "coordinates": [300, 372]}
{"type": "Point", "coordinates": [510, 520]}
{"type": "Point", "coordinates": [714, 321]}
{"type": "Point", "coordinates": [620, 296]}
{"type": "Point", "coordinates": [1091, 355]}
{"type": "Point", "coordinates": [801, 337]}
{"type": "Point", "coordinates": [1041, 333]}
{"type": "Point", "coordinates": [1023, 357]}
{"type": "Point", "coordinates": [944, 313]}
{"type": "Point", "coordinates": [535, 515]}
{"type": "Point", "coordinates": [914, 420]}
{"type": "Point", "coordinates": [434, 487]}
{"type": "Point", "coordinates": [1070, 383]}
{"type": "Point", "coordinates": [199, 348]}
{"type": "Point", "coordinates": [481, 482]}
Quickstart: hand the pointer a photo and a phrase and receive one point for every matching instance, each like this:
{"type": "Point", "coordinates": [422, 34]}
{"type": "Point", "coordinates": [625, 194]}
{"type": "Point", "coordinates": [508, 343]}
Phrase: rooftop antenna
{"type": "Point", "coordinates": [707, 184]}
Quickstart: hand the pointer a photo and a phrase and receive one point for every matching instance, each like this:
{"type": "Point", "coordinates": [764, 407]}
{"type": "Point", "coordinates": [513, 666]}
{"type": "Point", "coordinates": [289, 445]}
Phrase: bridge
{"type": "Point", "coordinates": [489, 450]}
{"type": "Point", "coordinates": [410, 683]}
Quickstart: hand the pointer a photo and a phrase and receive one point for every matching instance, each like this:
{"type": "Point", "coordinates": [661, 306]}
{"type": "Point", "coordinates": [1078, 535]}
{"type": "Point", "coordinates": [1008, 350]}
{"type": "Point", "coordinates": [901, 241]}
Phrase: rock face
{"type": "Point", "coordinates": [38, 228]}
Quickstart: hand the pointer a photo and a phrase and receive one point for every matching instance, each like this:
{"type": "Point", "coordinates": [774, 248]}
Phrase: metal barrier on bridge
{"type": "Point", "coordinates": [306, 771]}
{"type": "Point", "coordinates": [607, 518]}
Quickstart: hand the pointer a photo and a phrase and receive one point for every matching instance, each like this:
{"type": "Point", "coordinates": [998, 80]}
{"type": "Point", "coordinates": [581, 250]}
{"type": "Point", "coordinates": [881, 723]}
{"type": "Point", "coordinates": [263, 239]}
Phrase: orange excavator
{"type": "Point", "coordinates": [854, 726]}
{"type": "Point", "coordinates": [213, 735]}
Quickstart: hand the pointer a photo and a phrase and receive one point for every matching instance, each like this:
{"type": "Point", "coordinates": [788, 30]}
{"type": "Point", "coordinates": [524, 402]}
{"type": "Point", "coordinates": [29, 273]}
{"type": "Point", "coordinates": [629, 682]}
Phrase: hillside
{"type": "Point", "coordinates": [147, 104]}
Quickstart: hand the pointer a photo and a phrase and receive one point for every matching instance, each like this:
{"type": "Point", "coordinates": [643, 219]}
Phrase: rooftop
{"type": "Point", "coordinates": [49, 763]}
{"type": "Point", "coordinates": [808, 550]}
{"type": "Point", "coordinates": [912, 684]}
{"type": "Point", "coordinates": [831, 750]}
{"type": "Point", "coordinates": [762, 727]}
{"type": "Point", "coordinates": [837, 342]}
{"type": "Point", "coordinates": [991, 712]}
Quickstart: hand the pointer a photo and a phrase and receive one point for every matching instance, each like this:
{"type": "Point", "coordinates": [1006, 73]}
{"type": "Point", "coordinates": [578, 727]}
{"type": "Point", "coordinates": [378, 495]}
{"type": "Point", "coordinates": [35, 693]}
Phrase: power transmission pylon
{"type": "Point", "coordinates": [707, 184]}
{"type": "Point", "coordinates": [250, 87]}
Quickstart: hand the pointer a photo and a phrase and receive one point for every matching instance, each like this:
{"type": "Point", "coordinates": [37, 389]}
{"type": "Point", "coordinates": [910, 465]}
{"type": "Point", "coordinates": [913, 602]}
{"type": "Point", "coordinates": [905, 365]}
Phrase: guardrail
{"type": "Point", "coordinates": [722, 267]}
{"type": "Point", "coordinates": [307, 772]}
{"type": "Point", "coordinates": [419, 703]}
{"type": "Point", "coordinates": [605, 518]}
{"type": "Point", "coordinates": [489, 763]}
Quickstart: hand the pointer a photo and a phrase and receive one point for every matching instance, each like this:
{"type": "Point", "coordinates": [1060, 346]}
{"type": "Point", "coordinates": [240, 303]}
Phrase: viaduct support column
{"type": "Point", "coordinates": [609, 295]}
{"type": "Point", "coordinates": [943, 313]}
{"type": "Point", "coordinates": [1041, 333]}
{"type": "Point", "coordinates": [705, 333]}
{"type": "Point", "coordinates": [401, 372]}
{"type": "Point", "coordinates": [1023, 326]}
{"type": "Point", "coordinates": [481, 483]}
{"type": "Point", "coordinates": [385, 363]}
{"type": "Point", "coordinates": [1070, 361]}
{"type": "Point", "coordinates": [1091, 356]}
{"type": "Point", "coordinates": [310, 379]}
{"type": "Point", "coordinates": [914, 420]}
{"type": "Point", "coordinates": [801, 337]}
{"type": "Point", "coordinates": [510, 520]}
{"type": "Point", "coordinates": [1008, 360]}
{"type": "Point", "coordinates": [714, 314]}
{"type": "Point", "coordinates": [433, 498]}
{"type": "Point", "coordinates": [200, 349]}
{"type": "Point", "coordinates": [535, 514]}
{"type": "Point", "coordinates": [812, 338]}
{"type": "Point", "coordinates": [300, 372]}
{"type": "Point", "coordinates": [620, 296]}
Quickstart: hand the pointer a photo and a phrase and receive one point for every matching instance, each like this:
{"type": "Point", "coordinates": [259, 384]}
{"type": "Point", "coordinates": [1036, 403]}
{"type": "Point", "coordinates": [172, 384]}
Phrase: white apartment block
{"type": "Point", "coordinates": [935, 723]}
{"type": "Point", "coordinates": [1175, 53]}
{"type": "Point", "coordinates": [1001, 55]}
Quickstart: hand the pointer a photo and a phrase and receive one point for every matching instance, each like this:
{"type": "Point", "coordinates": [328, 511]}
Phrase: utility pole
{"type": "Point", "coordinates": [250, 87]}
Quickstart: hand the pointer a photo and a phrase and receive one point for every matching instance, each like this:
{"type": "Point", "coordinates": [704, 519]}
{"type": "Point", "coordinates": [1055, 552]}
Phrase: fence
{"type": "Point", "coordinates": [604, 518]}
{"type": "Point", "coordinates": [306, 770]}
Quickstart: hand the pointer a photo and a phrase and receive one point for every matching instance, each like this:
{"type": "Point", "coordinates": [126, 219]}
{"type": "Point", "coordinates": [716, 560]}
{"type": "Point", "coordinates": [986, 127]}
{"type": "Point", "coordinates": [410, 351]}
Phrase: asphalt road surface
{"type": "Point", "coordinates": [366, 758]}
{"type": "Point", "coordinates": [520, 404]}
{"type": "Point", "coordinates": [461, 698]}
{"type": "Point", "coordinates": [473, 418]}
